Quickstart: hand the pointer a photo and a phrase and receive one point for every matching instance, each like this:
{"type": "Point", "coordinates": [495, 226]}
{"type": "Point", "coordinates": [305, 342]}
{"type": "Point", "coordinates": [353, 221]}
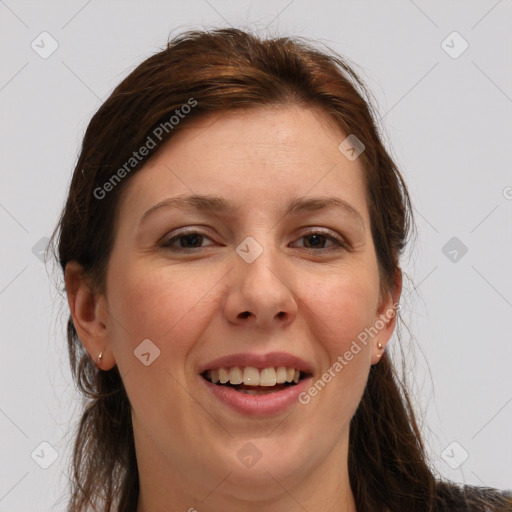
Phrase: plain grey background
{"type": "Point", "coordinates": [447, 114]}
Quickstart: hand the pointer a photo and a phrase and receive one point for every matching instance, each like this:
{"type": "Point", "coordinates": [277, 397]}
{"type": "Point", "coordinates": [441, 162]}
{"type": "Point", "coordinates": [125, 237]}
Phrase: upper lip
{"type": "Point", "coordinates": [259, 361]}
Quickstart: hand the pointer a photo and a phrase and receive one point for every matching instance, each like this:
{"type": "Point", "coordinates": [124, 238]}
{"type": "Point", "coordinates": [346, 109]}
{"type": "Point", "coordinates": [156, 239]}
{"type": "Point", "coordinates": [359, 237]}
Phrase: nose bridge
{"type": "Point", "coordinates": [257, 261]}
{"type": "Point", "coordinates": [262, 287]}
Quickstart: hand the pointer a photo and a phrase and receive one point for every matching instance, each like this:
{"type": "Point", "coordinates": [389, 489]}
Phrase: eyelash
{"type": "Point", "coordinates": [339, 242]}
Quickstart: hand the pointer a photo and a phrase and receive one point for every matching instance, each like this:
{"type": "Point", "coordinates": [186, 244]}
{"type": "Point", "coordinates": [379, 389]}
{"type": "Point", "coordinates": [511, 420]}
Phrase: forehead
{"type": "Point", "coordinates": [256, 158]}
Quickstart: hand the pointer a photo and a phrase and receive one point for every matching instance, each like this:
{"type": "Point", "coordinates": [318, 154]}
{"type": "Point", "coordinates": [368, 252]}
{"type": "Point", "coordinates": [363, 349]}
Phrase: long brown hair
{"type": "Point", "coordinates": [213, 71]}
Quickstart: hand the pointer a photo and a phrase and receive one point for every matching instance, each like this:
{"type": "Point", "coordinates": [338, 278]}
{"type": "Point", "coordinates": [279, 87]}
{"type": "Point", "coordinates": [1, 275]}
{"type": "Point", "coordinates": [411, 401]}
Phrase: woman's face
{"type": "Point", "coordinates": [263, 285]}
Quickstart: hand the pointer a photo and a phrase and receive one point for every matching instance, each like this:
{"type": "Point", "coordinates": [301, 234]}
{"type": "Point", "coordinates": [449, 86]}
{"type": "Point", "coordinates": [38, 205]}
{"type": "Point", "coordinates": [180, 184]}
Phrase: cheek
{"type": "Point", "coordinates": [155, 303]}
{"type": "Point", "coordinates": [341, 314]}
{"type": "Point", "coordinates": [171, 310]}
{"type": "Point", "coordinates": [166, 305]}
{"type": "Point", "coordinates": [343, 306]}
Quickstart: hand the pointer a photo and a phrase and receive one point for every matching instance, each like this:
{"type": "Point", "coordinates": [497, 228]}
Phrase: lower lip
{"type": "Point", "coordinates": [258, 405]}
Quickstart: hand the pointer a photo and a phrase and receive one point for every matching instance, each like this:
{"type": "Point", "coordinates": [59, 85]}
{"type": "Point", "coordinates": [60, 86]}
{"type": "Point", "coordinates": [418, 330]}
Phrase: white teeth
{"type": "Point", "coordinates": [235, 375]}
{"type": "Point", "coordinates": [223, 375]}
{"type": "Point", "coordinates": [281, 375]}
{"type": "Point", "coordinates": [268, 377]}
{"type": "Point", "coordinates": [251, 376]}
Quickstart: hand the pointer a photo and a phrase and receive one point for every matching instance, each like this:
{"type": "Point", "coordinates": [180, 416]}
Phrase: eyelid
{"type": "Point", "coordinates": [166, 241]}
{"type": "Point", "coordinates": [339, 241]}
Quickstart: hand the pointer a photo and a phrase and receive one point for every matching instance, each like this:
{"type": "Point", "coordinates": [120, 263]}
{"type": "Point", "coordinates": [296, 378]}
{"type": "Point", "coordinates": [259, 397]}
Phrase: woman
{"type": "Point", "coordinates": [230, 247]}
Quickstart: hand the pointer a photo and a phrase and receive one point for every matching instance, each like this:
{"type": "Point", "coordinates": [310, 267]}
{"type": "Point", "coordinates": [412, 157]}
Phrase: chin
{"type": "Point", "coordinates": [262, 482]}
{"type": "Point", "coordinates": [260, 467]}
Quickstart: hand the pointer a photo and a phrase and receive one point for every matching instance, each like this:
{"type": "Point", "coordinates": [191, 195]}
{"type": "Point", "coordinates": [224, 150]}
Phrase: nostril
{"type": "Point", "coordinates": [245, 314]}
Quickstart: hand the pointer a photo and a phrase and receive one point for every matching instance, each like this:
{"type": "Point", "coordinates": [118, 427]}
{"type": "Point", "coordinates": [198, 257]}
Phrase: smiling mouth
{"type": "Point", "coordinates": [253, 381]}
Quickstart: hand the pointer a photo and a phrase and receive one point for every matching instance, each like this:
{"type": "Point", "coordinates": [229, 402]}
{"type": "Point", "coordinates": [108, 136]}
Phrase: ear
{"type": "Point", "coordinates": [385, 319]}
{"type": "Point", "coordinates": [89, 312]}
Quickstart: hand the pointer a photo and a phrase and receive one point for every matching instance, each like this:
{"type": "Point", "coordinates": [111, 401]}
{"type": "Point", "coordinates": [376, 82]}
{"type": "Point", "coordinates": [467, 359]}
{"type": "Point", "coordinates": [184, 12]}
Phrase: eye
{"type": "Point", "coordinates": [317, 239]}
{"type": "Point", "coordinates": [187, 240]}
{"type": "Point", "coordinates": [314, 241]}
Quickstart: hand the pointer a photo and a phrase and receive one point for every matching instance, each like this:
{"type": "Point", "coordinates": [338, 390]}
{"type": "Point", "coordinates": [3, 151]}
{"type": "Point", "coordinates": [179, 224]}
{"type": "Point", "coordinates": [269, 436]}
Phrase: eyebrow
{"type": "Point", "coordinates": [220, 205]}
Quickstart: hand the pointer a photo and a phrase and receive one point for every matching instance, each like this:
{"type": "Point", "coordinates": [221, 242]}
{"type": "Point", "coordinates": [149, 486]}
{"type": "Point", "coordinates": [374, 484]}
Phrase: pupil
{"type": "Point", "coordinates": [319, 238]}
{"type": "Point", "coordinates": [187, 238]}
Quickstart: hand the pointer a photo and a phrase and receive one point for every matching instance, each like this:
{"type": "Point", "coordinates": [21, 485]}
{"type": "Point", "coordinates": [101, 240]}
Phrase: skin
{"type": "Point", "coordinates": [309, 300]}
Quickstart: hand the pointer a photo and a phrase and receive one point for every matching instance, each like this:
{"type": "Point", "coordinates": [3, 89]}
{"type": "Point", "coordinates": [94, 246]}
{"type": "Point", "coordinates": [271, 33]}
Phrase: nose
{"type": "Point", "coordinates": [261, 293]}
